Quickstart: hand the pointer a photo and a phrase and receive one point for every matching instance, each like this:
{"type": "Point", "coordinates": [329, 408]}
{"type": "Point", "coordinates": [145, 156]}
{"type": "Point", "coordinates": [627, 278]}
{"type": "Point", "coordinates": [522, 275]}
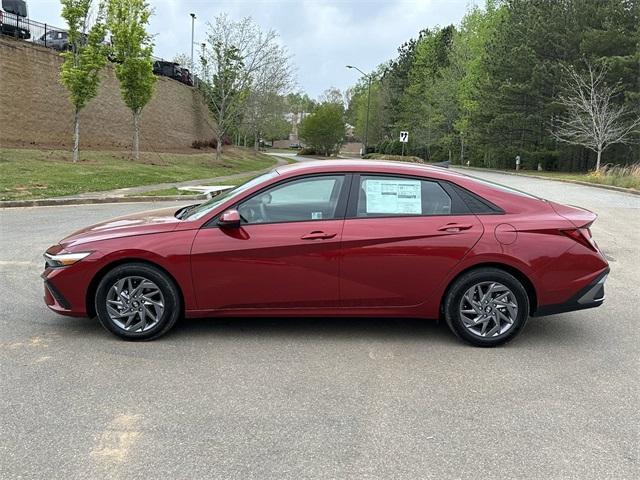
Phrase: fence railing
{"type": "Point", "coordinates": [56, 38]}
{"type": "Point", "coordinates": [32, 31]}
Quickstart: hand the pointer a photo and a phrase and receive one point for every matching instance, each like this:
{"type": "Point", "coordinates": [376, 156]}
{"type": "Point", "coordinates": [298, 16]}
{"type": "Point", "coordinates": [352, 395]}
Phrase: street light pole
{"type": "Point", "coordinates": [203, 63]}
{"type": "Point", "coordinates": [193, 20]}
{"type": "Point", "coordinates": [366, 123]}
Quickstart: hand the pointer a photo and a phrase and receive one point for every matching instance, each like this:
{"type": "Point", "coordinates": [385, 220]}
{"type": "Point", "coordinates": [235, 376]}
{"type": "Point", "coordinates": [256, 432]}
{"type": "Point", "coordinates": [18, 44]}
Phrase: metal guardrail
{"type": "Point", "coordinates": [49, 36]}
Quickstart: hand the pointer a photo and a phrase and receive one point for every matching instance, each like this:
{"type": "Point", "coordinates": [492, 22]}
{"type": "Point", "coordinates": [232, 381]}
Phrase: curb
{"type": "Point", "coordinates": [51, 202]}
{"type": "Point", "coordinates": [632, 191]}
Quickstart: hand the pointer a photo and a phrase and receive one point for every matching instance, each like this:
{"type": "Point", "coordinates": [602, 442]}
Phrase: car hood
{"type": "Point", "coordinates": [143, 223]}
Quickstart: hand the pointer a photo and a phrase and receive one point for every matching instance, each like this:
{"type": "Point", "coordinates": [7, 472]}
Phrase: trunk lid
{"type": "Point", "coordinates": [579, 217]}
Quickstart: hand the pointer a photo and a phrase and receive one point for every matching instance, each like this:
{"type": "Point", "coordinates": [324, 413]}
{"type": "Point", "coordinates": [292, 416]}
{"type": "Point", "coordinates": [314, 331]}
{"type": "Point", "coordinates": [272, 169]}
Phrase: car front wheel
{"type": "Point", "coordinates": [137, 301]}
{"type": "Point", "coordinates": [486, 307]}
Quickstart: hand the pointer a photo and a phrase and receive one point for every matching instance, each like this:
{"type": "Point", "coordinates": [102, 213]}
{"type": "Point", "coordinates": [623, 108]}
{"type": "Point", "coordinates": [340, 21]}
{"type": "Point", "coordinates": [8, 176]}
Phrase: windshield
{"type": "Point", "coordinates": [204, 208]}
{"type": "Point", "coordinates": [17, 7]}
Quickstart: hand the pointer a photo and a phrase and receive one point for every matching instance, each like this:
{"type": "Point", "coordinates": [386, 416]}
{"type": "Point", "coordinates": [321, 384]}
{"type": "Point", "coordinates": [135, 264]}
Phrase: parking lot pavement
{"type": "Point", "coordinates": [318, 398]}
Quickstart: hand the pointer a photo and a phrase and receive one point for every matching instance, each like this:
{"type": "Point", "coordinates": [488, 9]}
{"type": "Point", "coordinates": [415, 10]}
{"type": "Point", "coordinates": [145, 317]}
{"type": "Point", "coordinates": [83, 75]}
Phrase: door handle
{"type": "Point", "coordinates": [455, 227]}
{"type": "Point", "coordinates": [318, 235]}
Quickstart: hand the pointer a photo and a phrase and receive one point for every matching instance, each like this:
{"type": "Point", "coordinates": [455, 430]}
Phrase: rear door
{"type": "Point", "coordinates": [401, 237]}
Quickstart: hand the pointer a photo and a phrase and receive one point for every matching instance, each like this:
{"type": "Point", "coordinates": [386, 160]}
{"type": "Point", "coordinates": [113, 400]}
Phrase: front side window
{"type": "Point", "coordinates": [312, 198]}
{"type": "Point", "coordinates": [201, 210]}
{"type": "Point", "coordinates": [381, 196]}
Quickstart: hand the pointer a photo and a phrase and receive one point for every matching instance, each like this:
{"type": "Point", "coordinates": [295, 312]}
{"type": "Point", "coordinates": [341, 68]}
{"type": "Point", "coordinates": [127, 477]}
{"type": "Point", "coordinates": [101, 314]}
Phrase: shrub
{"type": "Point", "coordinates": [323, 130]}
{"type": "Point", "coordinates": [213, 143]}
{"type": "Point", "coordinates": [307, 151]}
{"type": "Point", "coordinates": [395, 158]}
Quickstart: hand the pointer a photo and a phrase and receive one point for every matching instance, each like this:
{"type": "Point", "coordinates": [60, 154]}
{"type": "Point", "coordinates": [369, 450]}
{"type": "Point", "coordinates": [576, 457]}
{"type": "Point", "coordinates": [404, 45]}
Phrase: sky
{"type": "Point", "coordinates": [322, 36]}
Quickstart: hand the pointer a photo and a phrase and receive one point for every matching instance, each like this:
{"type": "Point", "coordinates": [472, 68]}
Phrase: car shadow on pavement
{"type": "Point", "coordinates": [558, 331]}
{"type": "Point", "coordinates": [327, 327]}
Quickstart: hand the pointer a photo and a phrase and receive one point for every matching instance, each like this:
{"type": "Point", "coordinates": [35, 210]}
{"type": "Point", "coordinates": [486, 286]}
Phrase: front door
{"type": "Point", "coordinates": [285, 255]}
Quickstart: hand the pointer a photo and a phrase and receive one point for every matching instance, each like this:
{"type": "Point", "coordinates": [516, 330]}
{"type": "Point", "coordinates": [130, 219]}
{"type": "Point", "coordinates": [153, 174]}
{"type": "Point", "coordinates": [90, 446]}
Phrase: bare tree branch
{"type": "Point", "coordinates": [241, 64]}
{"type": "Point", "coordinates": [592, 118]}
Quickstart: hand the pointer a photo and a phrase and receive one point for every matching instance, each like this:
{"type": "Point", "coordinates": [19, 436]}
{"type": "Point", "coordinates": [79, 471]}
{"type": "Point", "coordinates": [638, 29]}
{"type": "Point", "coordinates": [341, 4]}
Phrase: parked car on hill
{"type": "Point", "coordinates": [13, 19]}
{"type": "Point", "coordinates": [172, 70]}
{"type": "Point", "coordinates": [56, 39]}
{"type": "Point", "coordinates": [336, 238]}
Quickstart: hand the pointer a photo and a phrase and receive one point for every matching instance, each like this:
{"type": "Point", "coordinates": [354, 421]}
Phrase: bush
{"type": "Point", "coordinates": [213, 143]}
{"type": "Point", "coordinates": [370, 149]}
{"type": "Point", "coordinates": [307, 151]}
{"type": "Point", "coordinates": [199, 144]}
{"type": "Point", "coordinates": [395, 158]}
{"type": "Point", "coordinates": [323, 130]}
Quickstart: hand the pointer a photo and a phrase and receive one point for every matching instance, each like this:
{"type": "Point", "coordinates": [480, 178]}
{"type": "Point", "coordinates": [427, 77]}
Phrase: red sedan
{"type": "Point", "coordinates": [336, 238]}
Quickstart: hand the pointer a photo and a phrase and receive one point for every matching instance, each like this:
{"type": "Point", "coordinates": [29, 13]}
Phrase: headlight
{"type": "Point", "coordinates": [64, 259]}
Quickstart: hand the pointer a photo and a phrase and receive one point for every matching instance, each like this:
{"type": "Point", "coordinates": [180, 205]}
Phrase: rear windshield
{"type": "Point", "coordinates": [17, 7]}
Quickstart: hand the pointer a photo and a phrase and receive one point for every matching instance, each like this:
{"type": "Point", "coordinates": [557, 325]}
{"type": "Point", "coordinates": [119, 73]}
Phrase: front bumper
{"type": "Point", "coordinates": [590, 296]}
{"type": "Point", "coordinates": [65, 290]}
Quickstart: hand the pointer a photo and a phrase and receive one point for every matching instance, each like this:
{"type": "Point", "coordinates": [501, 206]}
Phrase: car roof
{"type": "Point", "coordinates": [375, 166]}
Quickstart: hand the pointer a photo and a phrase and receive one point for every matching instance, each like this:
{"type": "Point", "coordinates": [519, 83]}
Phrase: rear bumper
{"type": "Point", "coordinates": [590, 296]}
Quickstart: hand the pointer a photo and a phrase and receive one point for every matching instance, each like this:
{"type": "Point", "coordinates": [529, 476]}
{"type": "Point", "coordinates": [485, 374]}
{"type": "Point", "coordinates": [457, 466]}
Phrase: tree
{"type": "Point", "coordinates": [277, 128]}
{"type": "Point", "coordinates": [358, 106]}
{"type": "Point", "coordinates": [236, 51]}
{"type": "Point", "coordinates": [80, 71]}
{"type": "Point", "coordinates": [132, 48]}
{"type": "Point", "coordinates": [265, 103]}
{"type": "Point", "coordinates": [324, 129]}
{"type": "Point", "coordinates": [184, 61]}
{"type": "Point", "coordinates": [593, 119]}
{"type": "Point", "coordinates": [332, 95]}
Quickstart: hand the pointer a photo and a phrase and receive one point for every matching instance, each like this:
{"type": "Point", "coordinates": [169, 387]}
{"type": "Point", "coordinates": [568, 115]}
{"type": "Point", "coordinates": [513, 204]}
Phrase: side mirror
{"type": "Point", "coordinates": [230, 219]}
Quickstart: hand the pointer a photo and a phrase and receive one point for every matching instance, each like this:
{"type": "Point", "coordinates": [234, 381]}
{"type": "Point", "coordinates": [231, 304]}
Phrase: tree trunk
{"type": "Point", "coordinates": [256, 142]}
{"type": "Point", "coordinates": [136, 135]}
{"type": "Point", "coordinates": [76, 136]}
{"type": "Point", "coordinates": [218, 148]}
{"type": "Point", "coordinates": [598, 159]}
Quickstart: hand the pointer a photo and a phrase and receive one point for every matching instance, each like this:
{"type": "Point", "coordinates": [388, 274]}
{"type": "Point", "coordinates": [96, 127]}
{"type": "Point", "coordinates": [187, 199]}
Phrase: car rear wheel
{"type": "Point", "coordinates": [486, 307]}
{"type": "Point", "coordinates": [137, 301]}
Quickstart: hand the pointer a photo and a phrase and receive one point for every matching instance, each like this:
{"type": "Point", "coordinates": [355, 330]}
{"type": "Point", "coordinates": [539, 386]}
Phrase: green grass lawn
{"type": "Point", "coordinates": [28, 174]}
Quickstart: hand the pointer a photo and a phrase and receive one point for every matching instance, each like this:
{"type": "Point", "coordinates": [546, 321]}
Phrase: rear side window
{"type": "Point", "coordinates": [475, 203]}
{"type": "Point", "coordinates": [380, 196]}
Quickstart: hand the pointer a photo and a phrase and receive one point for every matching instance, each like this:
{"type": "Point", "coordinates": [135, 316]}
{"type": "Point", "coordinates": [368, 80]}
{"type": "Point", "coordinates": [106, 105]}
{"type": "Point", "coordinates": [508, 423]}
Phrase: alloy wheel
{"type": "Point", "coordinates": [135, 303]}
{"type": "Point", "coordinates": [488, 309]}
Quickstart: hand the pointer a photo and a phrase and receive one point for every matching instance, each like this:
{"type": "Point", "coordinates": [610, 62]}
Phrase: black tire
{"type": "Point", "coordinates": [171, 299]}
{"type": "Point", "coordinates": [452, 305]}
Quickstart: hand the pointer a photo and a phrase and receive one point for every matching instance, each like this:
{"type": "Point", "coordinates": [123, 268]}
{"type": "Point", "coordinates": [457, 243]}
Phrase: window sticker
{"type": "Point", "coordinates": [316, 215]}
{"type": "Point", "coordinates": [393, 196]}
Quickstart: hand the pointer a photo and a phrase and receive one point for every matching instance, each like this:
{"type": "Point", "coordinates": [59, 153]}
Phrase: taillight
{"type": "Point", "coordinates": [583, 236]}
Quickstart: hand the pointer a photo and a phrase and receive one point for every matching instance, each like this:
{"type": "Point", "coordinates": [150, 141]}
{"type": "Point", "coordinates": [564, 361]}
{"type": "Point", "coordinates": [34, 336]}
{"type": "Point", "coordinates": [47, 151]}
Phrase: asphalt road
{"type": "Point", "coordinates": [323, 398]}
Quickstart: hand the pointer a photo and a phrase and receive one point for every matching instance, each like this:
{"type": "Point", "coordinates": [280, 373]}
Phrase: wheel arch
{"type": "Point", "coordinates": [93, 284]}
{"type": "Point", "coordinates": [518, 274]}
